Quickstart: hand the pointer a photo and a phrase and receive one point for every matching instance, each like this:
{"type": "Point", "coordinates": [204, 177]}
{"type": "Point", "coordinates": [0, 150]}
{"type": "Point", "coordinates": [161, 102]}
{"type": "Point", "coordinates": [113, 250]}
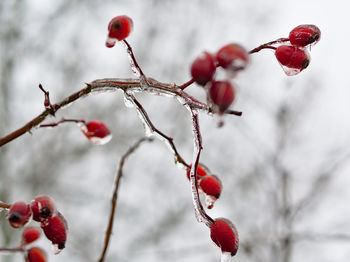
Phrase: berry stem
{"type": "Point", "coordinates": [4, 205]}
{"type": "Point", "coordinates": [147, 121]}
{"type": "Point", "coordinates": [115, 193]}
{"type": "Point", "coordinates": [268, 45]}
{"type": "Point", "coordinates": [63, 120]}
{"type": "Point", "coordinates": [201, 215]}
{"type": "Point", "coordinates": [13, 249]}
{"type": "Point", "coordinates": [188, 83]}
{"type": "Point", "coordinates": [133, 59]}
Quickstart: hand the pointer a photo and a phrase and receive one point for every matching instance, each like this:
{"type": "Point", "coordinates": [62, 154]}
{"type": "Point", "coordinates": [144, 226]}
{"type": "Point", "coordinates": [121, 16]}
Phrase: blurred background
{"type": "Point", "coordinates": [283, 164]}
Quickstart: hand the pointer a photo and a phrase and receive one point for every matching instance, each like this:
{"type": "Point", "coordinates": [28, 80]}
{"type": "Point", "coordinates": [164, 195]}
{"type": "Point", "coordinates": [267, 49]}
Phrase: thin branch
{"type": "Point", "coordinates": [134, 64]}
{"type": "Point", "coordinates": [4, 205]}
{"type": "Point", "coordinates": [63, 120]}
{"type": "Point", "coordinates": [200, 213]}
{"type": "Point", "coordinates": [188, 83]}
{"type": "Point", "coordinates": [12, 249]}
{"type": "Point", "coordinates": [148, 124]}
{"type": "Point", "coordinates": [268, 45]}
{"type": "Point", "coordinates": [115, 193]}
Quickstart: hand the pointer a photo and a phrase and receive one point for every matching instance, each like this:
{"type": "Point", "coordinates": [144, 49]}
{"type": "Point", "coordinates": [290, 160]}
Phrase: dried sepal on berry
{"type": "Point", "coordinates": [35, 254]}
{"type": "Point", "coordinates": [19, 214]}
{"type": "Point", "coordinates": [55, 229]}
{"type": "Point", "coordinates": [42, 207]}
{"type": "Point", "coordinates": [30, 235]}
{"type": "Point", "coordinates": [203, 68]}
{"type": "Point", "coordinates": [304, 35]}
{"type": "Point", "coordinates": [224, 234]}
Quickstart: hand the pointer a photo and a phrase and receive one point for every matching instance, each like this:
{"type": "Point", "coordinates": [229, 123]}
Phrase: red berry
{"type": "Point", "coordinates": [35, 254]}
{"type": "Point", "coordinates": [200, 171]}
{"type": "Point", "coordinates": [19, 214]}
{"type": "Point", "coordinates": [55, 229]}
{"type": "Point", "coordinates": [29, 235]}
{"type": "Point", "coordinates": [203, 68]}
{"type": "Point", "coordinates": [304, 35]}
{"type": "Point", "coordinates": [211, 185]}
{"type": "Point", "coordinates": [224, 234]}
{"type": "Point", "coordinates": [222, 94]}
{"type": "Point", "coordinates": [120, 27]}
{"type": "Point", "coordinates": [292, 57]}
{"type": "Point", "coordinates": [42, 208]}
{"type": "Point", "coordinates": [232, 56]}
{"type": "Point", "coordinates": [95, 129]}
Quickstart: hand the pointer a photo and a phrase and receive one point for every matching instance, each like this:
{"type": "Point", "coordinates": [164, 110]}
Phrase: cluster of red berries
{"type": "Point", "coordinates": [97, 132]}
{"type": "Point", "coordinates": [119, 28]}
{"type": "Point", "coordinates": [294, 57]}
{"type": "Point", "coordinates": [210, 185]}
{"type": "Point", "coordinates": [232, 58]}
{"type": "Point", "coordinates": [41, 209]}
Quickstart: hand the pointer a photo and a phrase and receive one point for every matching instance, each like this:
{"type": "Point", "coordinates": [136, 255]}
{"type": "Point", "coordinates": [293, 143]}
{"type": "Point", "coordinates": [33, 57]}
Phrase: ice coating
{"type": "Point", "coordinates": [225, 257]}
{"type": "Point", "coordinates": [97, 141]}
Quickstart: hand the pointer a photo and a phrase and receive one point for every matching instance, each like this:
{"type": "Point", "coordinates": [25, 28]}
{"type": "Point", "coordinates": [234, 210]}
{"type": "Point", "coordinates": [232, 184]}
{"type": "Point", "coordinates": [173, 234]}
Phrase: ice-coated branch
{"type": "Point", "coordinates": [153, 130]}
{"type": "Point", "coordinates": [268, 45]}
{"type": "Point", "coordinates": [112, 84]}
{"type": "Point", "coordinates": [200, 213]}
{"type": "Point", "coordinates": [115, 193]}
{"type": "Point", "coordinates": [63, 120]}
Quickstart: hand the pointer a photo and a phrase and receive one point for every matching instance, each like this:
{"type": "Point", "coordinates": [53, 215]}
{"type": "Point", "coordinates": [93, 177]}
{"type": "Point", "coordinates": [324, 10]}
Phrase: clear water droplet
{"type": "Point", "coordinates": [97, 141]}
{"type": "Point", "coordinates": [55, 249]}
{"type": "Point", "coordinates": [225, 257]}
{"type": "Point", "coordinates": [210, 201]}
{"type": "Point", "coordinates": [127, 102]}
{"type": "Point", "coordinates": [290, 71]}
{"type": "Point", "coordinates": [110, 42]}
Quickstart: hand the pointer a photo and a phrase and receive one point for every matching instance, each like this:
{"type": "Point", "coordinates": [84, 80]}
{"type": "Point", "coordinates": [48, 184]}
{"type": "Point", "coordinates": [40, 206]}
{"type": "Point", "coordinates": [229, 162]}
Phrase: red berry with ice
{"type": "Point", "coordinates": [35, 254]}
{"type": "Point", "coordinates": [203, 68]}
{"type": "Point", "coordinates": [304, 35]}
{"type": "Point", "coordinates": [19, 214]}
{"type": "Point", "coordinates": [55, 229]}
{"type": "Point", "coordinates": [42, 208]}
{"type": "Point", "coordinates": [29, 235]}
{"type": "Point", "coordinates": [232, 57]}
{"type": "Point", "coordinates": [97, 132]}
{"type": "Point", "coordinates": [222, 94]}
{"type": "Point", "coordinates": [224, 234]}
{"type": "Point", "coordinates": [119, 28]}
{"type": "Point", "coordinates": [293, 59]}
{"type": "Point", "coordinates": [211, 185]}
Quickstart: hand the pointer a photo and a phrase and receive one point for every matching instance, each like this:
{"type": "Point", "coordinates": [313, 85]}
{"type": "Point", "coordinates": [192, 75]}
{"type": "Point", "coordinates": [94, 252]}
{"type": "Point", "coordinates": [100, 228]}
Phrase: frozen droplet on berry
{"type": "Point", "coordinates": [210, 201]}
{"type": "Point", "coordinates": [292, 59]}
{"type": "Point", "coordinates": [225, 257]}
{"type": "Point", "coordinates": [127, 101]}
{"type": "Point", "coordinates": [110, 42]}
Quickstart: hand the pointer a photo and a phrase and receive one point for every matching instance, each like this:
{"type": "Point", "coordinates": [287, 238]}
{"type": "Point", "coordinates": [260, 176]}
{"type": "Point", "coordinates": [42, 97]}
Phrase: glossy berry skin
{"type": "Point", "coordinates": [55, 229]}
{"type": "Point", "coordinates": [232, 56]}
{"type": "Point", "coordinates": [304, 35]}
{"type": "Point", "coordinates": [29, 235]}
{"type": "Point", "coordinates": [35, 254]}
{"type": "Point", "coordinates": [95, 129]}
{"type": "Point", "coordinates": [19, 214]}
{"type": "Point", "coordinates": [292, 57]}
{"type": "Point", "coordinates": [221, 94]}
{"type": "Point", "coordinates": [200, 171]}
{"type": "Point", "coordinates": [120, 27]}
{"type": "Point", "coordinates": [224, 234]}
{"type": "Point", "coordinates": [211, 185]}
{"type": "Point", "coordinates": [203, 68]}
{"type": "Point", "coordinates": [42, 208]}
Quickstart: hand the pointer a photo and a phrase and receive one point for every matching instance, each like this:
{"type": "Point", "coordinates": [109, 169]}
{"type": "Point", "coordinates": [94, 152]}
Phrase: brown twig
{"type": "Point", "coordinates": [188, 83]}
{"type": "Point", "coordinates": [63, 120]}
{"type": "Point", "coordinates": [12, 249]}
{"type": "Point", "coordinates": [4, 205]}
{"type": "Point", "coordinates": [115, 194]}
{"type": "Point", "coordinates": [268, 45]}
{"type": "Point", "coordinates": [147, 121]}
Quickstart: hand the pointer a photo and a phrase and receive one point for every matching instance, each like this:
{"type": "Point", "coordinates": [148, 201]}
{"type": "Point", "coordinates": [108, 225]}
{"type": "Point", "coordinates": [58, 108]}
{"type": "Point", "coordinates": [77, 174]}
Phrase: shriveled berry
{"type": "Point", "coordinates": [221, 94]}
{"type": "Point", "coordinates": [200, 171]}
{"type": "Point", "coordinates": [304, 35]}
{"type": "Point", "coordinates": [224, 234]}
{"type": "Point", "coordinates": [292, 57]}
{"type": "Point", "coordinates": [42, 208]}
{"type": "Point", "coordinates": [55, 229]}
{"type": "Point", "coordinates": [95, 129]}
{"type": "Point", "coordinates": [19, 214]}
{"type": "Point", "coordinates": [29, 235]}
{"type": "Point", "coordinates": [233, 57]}
{"type": "Point", "coordinates": [120, 27]}
{"type": "Point", "coordinates": [211, 185]}
{"type": "Point", "coordinates": [35, 254]}
{"type": "Point", "coordinates": [203, 68]}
